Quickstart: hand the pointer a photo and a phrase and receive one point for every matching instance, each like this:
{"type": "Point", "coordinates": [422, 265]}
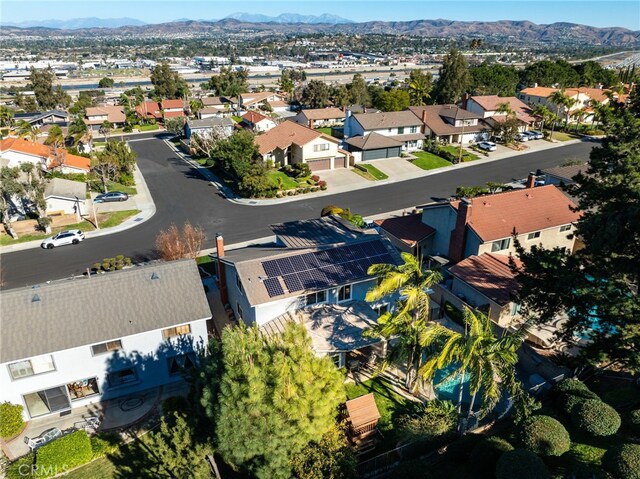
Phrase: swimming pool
{"type": "Point", "coordinates": [449, 388]}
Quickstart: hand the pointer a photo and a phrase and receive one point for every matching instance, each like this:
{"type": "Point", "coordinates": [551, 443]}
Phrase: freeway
{"type": "Point", "coordinates": [181, 194]}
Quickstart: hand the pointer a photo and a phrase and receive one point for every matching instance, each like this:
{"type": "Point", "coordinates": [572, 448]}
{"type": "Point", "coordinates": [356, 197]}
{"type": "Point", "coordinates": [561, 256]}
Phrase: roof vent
{"type": "Point", "coordinates": [35, 298]}
{"type": "Point", "coordinates": [154, 275]}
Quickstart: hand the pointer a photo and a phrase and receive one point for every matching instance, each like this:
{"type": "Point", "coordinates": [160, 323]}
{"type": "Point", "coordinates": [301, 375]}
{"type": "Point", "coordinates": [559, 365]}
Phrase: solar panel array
{"type": "Point", "coordinates": [323, 269]}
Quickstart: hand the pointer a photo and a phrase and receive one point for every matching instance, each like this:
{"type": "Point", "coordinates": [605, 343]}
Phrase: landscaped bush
{"type": "Point", "coordinates": [461, 448]}
{"type": "Point", "coordinates": [105, 443]}
{"type": "Point", "coordinates": [568, 401]}
{"type": "Point", "coordinates": [633, 421]}
{"type": "Point", "coordinates": [17, 469]}
{"type": "Point", "coordinates": [623, 461]}
{"type": "Point", "coordinates": [521, 464]}
{"type": "Point", "coordinates": [63, 454]}
{"type": "Point", "coordinates": [436, 420]}
{"type": "Point", "coordinates": [175, 404]}
{"type": "Point", "coordinates": [569, 385]}
{"type": "Point", "coordinates": [596, 418]}
{"type": "Point", "coordinates": [484, 456]}
{"type": "Point", "coordinates": [546, 436]}
{"type": "Point", "coordinates": [300, 170]}
{"type": "Point", "coordinates": [11, 422]}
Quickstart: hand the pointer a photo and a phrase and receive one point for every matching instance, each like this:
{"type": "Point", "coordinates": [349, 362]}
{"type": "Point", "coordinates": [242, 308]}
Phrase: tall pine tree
{"type": "Point", "coordinates": [454, 79]}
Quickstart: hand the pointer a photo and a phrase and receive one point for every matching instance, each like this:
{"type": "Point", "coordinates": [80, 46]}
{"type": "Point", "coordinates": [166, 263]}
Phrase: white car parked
{"type": "Point", "coordinates": [487, 145]}
{"type": "Point", "coordinates": [63, 238]}
{"type": "Point", "coordinates": [522, 137]}
{"type": "Point", "coordinates": [534, 134]}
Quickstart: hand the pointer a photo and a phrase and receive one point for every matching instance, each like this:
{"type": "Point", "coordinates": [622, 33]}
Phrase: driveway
{"type": "Point", "coordinates": [396, 167]}
{"type": "Point", "coordinates": [342, 178]}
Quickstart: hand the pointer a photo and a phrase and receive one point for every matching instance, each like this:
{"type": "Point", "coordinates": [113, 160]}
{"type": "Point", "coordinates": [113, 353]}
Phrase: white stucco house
{"type": "Point", "coordinates": [16, 151]}
{"type": "Point", "coordinates": [65, 197]}
{"type": "Point", "coordinates": [70, 343]}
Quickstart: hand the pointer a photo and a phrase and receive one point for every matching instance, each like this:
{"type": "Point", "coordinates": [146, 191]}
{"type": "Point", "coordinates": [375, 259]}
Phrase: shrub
{"type": "Point", "coordinates": [521, 464]}
{"type": "Point", "coordinates": [414, 469]}
{"type": "Point", "coordinates": [454, 313]}
{"type": "Point", "coordinates": [569, 401]}
{"type": "Point", "coordinates": [485, 455]}
{"type": "Point", "coordinates": [175, 404]}
{"type": "Point", "coordinates": [314, 189]}
{"type": "Point", "coordinates": [461, 448]}
{"type": "Point", "coordinates": [331, 210]}
{"type": "Point", "coordinates": [315, 178]}
{"type": "Point", "coordinates": [322, 184]}
{"type": "Point", "coordinates": [301, 170]}
{"type": "Point", "coordinates": [17, 469]}
{"type": "Point", "coordinates": [633, 421]}
{"type": "Point", "coordinates": [64, 453]}
{"type": "Point", "coordinates": [623, 461]}
{"type": "Point", "coordinates": [436, 420]}
{"type": "Point", "coordinates": [569, 385]}
{"type": "Point", "coordinates": [105, 443]}
{"type": "Point", "coordinates": [546, 436]}
{"type": "Point", "coordinates": [596, 417]}
{"type": "Point", "coordinates": [11, 422]}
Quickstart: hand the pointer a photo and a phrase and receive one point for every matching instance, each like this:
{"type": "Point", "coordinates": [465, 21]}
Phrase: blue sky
{"type": "Point", "coordinates": [601, 13]}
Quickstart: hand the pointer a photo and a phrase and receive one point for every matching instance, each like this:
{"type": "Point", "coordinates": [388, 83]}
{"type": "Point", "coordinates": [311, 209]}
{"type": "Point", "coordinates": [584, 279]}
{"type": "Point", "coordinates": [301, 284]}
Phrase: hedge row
{"type": "Point", "coordinates": [623, 461]}
{"type": "Point", "coordinates": [11, 422]}
{"type": "Point", "coordinates": [63, 454]}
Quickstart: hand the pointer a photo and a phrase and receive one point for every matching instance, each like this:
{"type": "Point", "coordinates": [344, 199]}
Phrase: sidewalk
{"type": "Point", "coordinates": [144, 202]}
{"type": "Point", "coordinates": [351, 186]}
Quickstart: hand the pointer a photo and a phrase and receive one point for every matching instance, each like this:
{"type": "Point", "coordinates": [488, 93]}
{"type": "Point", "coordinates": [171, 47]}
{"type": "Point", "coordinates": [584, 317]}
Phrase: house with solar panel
{"type": "Point", "coordinates": [315, 273]}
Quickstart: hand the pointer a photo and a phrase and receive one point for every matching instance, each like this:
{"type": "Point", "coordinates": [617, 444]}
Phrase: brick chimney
{"type": "Point", "coordinates": [424, 121]}
{"type": "Point", "coordinates": [531, 180]}
{"type": "Point", "coordinates": [465, 101]}
{"type": "Point", "coordinates": [459, 234]}
{"type": "Point", "coordinates": [222, 279]}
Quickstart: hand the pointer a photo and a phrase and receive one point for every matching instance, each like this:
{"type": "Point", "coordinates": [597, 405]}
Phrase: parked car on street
{"type": "Point", "coordinates": [534, 134]}
{"type": "Point", "coordinates": [487, 145]}
{"type": "Point", "coordinates": [111, 196]}
{"type": "Point", "coordinates": [522, 137]}
{"type": "Point", "coordinates": [63, 238]}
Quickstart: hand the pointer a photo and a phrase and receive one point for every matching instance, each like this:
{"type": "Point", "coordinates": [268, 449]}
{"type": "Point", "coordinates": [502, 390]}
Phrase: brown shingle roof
{"type": "Point", "coordinates": [323, 113]}
{"type": "Point", "coordinates": [254, 117]}
{"type": "Point", "coordinates": [115, 114]}
{"type": "Point", "coordinates": [489, 274]}
{"type": "Point", "coordinates": [493, 102]}
{"type": "Point", "coordinates": [409, 229]}
{"type": "Point", "coordinates": [566, 172]}
{"type": "Point", "coordinates": [284, 135]}
{"type": "Point", "coordinates": [172, 104]}
{"type": "Point", "coordinates": [531, 209]}
{"type": "Point", "coordinates": [373, 141]}
{"type": "Point", "coordinates": [390, 119]}
{"type": "Point", "coordinates": [433, 115]}
{"type": "Point", "coordinates": [362, 411]}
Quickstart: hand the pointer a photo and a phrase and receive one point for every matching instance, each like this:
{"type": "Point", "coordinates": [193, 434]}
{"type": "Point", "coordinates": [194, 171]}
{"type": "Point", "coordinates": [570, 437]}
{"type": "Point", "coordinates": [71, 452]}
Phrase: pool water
{"type": "Point", "coordinates": [449, 388]}
{"type": "Point", "coordinates": [594, 326]}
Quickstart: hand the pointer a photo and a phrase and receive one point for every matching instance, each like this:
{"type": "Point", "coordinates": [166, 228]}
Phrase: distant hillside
{"type": "Point", "coordinates": [79, 23]}
{"type": "Point", "coordinates": [506, 31]}
{"type": "Point", "coordinates": [325, 18]}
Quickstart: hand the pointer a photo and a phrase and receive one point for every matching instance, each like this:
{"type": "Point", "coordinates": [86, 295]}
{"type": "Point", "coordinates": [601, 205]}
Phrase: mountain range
{"type": "Point", "coordinates": [505, 31]}
{"type": "Point", "coordinates": [78, 23]}
{"type": "Point", "coordinates": [325, 18]}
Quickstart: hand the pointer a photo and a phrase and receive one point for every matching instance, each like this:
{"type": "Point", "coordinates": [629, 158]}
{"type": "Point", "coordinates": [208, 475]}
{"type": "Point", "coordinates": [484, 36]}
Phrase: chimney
{"type": "Point", "coordinates": [531, 180]}
{"type": "Point", "coordinates": [459, 234]}
{"type": "Point", "coordinates": [535, 85]}
{"type": "Point", "coordinates": [424, 121]}
{"type": "Point", "coordinates": [222, 280]}
{"type": "Point", "coordinates": [465, 100]}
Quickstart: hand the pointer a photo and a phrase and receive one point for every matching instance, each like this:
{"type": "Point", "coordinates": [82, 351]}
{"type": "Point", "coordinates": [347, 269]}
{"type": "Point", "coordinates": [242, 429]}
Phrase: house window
{"type": "Point", "coordinates": [180, 364]}
{"type": "Point", "coordinates": [401, 130]}
{"type": "Point", "coordinates": [337, 359]}
{"type": "Point", "coordinates": [32, 367]}
{"type": "Point", "coordinates": [534, 235]}
{"type": "Point", "coordinates": [47, 401]}
{"type": "Point", "coordinates": [122, 377]}
{"type": "Point", "coordinates": [344, 293]}
{"type": "Point", "coordinates": [515, 309]}
{"type": "Point", "coordinates": [239, 283]}
{"type": "Point", "coordinates": [318, 297]}
{"type": "Point", "coordinates": [500, 245]}
{"type": "Point", "coordinates": [413, 129]}
{"type": "Point", "coordinates": [565, 228]}
{"type": "Point", "coordinates": [240, 313]}
{"type": "Point", "coordinates": [83, 388]}
{"type": "Point", "coordinates": [107, 347]}
{"type": "Point", "coordinates": [176, 331]}
{"type": "Point", "coordinates": [381, 309]}
{"type": "Point", "coordinates": [321, 147]}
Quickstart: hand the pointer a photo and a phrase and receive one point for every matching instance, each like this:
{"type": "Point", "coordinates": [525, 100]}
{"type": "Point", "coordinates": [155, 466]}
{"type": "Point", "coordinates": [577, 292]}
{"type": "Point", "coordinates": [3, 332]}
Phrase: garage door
{"type": "Point", "coordinates": [380, 153]}
{"type": "Point", "coordinates": [339, 162]}
{"type": "Point", "coordinates": [317, 165]}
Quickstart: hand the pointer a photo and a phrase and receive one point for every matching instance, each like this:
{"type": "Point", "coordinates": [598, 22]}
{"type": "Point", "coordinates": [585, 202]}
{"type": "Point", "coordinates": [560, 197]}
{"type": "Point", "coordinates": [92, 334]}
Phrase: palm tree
{"type": "Point", "coordinates": [195, 106]}
{"type": "Point", "coordinates": [27, 130]}
{"type": "Point", "coordinates": [505, 108]}
{"type": "Point", "coordinates": [542, 112]}
{"type": "Point", "coordinates": [105, 128]}
{"type": "Point", "coordinates": [6, 117]}
{"type": "Point", "coordinates": [55, 138]}
{"type": "Point", "coordinates": [409, 320]}
{"type": "Point", "coordinates": [488, 361]}
{"type": "Point", "coordinates": [419, 90]}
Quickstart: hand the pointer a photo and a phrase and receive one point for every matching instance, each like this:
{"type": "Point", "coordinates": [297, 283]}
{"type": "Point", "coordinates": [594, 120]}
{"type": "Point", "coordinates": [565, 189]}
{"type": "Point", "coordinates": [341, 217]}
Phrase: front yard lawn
{"type": "Point", "coordinates": [130, 190]}
{"type": "Point", "coordinates": [237, 119]}
{"type": "Point", "coordinates": [326, 130]}
{"type": "Point", "coordinates": [455, 150]}
{"type": "Point", "coordinates": [374, 172]}
{"type": "Point", "coordinates": [429, 161]}
{"type": "Point", "coordinates": [288, 183]}
{"type": "Point", "coordinates": [117, 217]}
{"type": "Point", "coordinates": [562, 136]}
{"type": "Point", "coordinates": [147, 127]}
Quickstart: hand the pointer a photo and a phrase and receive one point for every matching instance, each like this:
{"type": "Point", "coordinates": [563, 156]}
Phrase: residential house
{"type": "Point", "coordinates": [401, 126]}
{"type": "Point", "coordinates": [149, 110]}
{"type": "Point", "coordinates": [485, 224]}
{"type": "Point", "coordinates": [222, 127]}
{"type": "Point", "coordinates": [563, 175]}
{"type": "Point", "coordinates": [15, 151]}
{"type": "Point", "coordinates": [217, 106]}
{"type": "Point", "coordinates": [373, 147]}
{"type": "Point", "coordinates": [254, 121]}
{"type": "Point", "coordinates": [40, 119]}
{"type": "Point", "coordinates": [96, 115]}
{"type": "Point", "coordinates": [451, 124]}
{"type": "Point", "coordinates": [172, 108]}
{"type": "Point", "coordinates": [65, 197]}
{"type": "Point", "coordinates": [489, 107]}
{"type": "Point", "coordinates": [583, 101]}
{"type": "Point", "coordinates": [252, 101]}
{"type": "Point", "coordinates": [320, 117]}
{"type": "Point", "coordinates": [314, 274]}
{"type": "Point", "coordinates": [290, 143]}
{"type": "Point", "coordinates": [67, 344]}
{"type": "Point", "coordinates": [407, 233]}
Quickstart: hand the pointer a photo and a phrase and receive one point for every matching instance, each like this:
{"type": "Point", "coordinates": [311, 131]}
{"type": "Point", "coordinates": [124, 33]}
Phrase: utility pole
{"type": "Point", "coordinates": [95, 216]}
{"type": "Point", "coordinates": [461, 138]}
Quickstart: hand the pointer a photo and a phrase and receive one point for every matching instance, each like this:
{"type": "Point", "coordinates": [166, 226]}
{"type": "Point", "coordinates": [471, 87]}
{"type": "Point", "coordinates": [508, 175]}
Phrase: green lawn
{"type": "Point", "coordinates": [325, 130]}
{"type": "Point", "coordinates": [429, 161]}
{"type": "Point", "coordinates": [562, 136]}
{"type": "Point", "coordinates": [147, 127]}
{"type": "Point", "coordinates": [455, 150]}
{"type": "Point", "coordinates": [237, 119]}
{"type": "Point", "coordinates": [130, 190]}
{"type": "Point", "coordinates": [375, 172]}
{"type": "Point", "coordinates": [288, 183]}
{"type": "Point", "coordinates": [117, 217]}
{"type": "Point", "coordinates": [101, 468]}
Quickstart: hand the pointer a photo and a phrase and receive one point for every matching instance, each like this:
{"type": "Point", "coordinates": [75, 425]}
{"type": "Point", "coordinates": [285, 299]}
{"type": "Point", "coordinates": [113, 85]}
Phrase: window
{"type": "Point", "coordinates": [122, 377]}
{"type": "Point", "coordinates": [565, 228]}
{"type": "Point", "coordinates": [401, 130]}
{"type": "Point", "coordinates": [107, 347]}
{"type": "Point", "coordinates": [31, 367]}
{"type": "Point", "coordinates": [318, 297]}
{"type": "Point", "coordinates": [381, 309]}
{"type": "Point", "coordinates": [321, 147]}
{"type": "Point", "coordinates": [344, 293]}
{"type": "Point", "coordinates": [500, 245]}
{"type": "Point", "coordinates": [47, 401]}
{"type": "Point", "coordinates": [337, 359]}
{"type": "Point", "coordinates": [180, 364]}
{"type": "Point", "coordinates": [239, 283]}
{"type": "Point", "coordinates": [534, 235]}
{"type": "Point", "coordinates": [413, 129]}
{"type": "Point", "coordinates": [176, 331]}
{"type": "Point", "coordinates": [83, 388]}
{"type": "Point", "coordinates": [515, 309]}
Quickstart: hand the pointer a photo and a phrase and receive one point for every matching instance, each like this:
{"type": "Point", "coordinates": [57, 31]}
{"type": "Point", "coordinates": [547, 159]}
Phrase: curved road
{"type": "Point", "coordinates": [181, 194]}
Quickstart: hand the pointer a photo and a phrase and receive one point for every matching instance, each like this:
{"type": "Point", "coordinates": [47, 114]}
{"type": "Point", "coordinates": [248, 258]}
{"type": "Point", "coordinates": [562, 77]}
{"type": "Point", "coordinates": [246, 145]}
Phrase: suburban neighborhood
{"type": "Point", "coordinates": [312, 247]}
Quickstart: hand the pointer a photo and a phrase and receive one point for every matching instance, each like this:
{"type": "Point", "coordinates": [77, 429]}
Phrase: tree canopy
{"type": "Point", "coordinates": [454, 79]}
{"type": "Point", "coordinates": [168, 83]}
{"type": "Point", "coordinates": [47, 97]}
{"type": "Point", "coordinates": [228, 82]}
{"type": "Point", "coordinates": [316, 94]}
{"type": "Point", "coordinates": [493, 79]}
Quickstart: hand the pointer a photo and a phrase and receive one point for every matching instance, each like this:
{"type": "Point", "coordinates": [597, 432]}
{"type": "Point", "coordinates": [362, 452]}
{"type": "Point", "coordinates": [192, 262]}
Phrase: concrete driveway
{"type": "Point", "coordinates": [396, 167]}
{"type": "Point", "coordinates": [342, 178]}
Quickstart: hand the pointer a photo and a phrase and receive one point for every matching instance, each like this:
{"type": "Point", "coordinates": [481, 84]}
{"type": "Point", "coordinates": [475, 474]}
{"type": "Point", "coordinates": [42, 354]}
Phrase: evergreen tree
{"type": "Point", "coordinates": [228, 82]}
{"type": "Point", "coordinates": [331, 458]}
{"type": "Point", "coordinates": [106, 82]}
{"type": "Point", "coordinates": [393, 100]}
{"type": "Point", "coordinates": [454, 78]}
{"type": "Point", "coordinates": [358, 91]}
{"type": "Point", "coordinates": [168, 83]}
{"type": "Point", "coordinates": [316, 94]}
{"type": "Point", "coordinates": [47, 98]}
{"type": "Point", "coordinates": [276, 396]}
{"type": "Point", "coordinates": [493, 79]}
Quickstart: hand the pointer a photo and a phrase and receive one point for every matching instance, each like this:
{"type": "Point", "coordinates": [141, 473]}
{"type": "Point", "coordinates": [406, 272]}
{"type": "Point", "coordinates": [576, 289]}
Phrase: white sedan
{"type": "Point", "coordinates": [63, 238]}
{"type": "Point", "coordinates": [487, 145]}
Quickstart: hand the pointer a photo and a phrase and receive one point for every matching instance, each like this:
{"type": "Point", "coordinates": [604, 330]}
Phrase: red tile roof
{"type": "Point", "coordinates": [527, 210]}
{"type": "Point", "coordinates": [493, 102]}
{"type": "Point", "coordinates": [286, 134]}
{"type": "Point", "coordinates": [490, 275]}
{"type": "Point", "coordinates": [149, 109]}
{"type": "Point", "coordinates": [172, 104]}
{"type": "Point", "coordinates": [409, 229]}
{"type": "Point", "coordinates": [254, 117]}
{"type": "Point", "coordinates": [173, 114]}
{"type": "Point", "coordinates": [37, 149]}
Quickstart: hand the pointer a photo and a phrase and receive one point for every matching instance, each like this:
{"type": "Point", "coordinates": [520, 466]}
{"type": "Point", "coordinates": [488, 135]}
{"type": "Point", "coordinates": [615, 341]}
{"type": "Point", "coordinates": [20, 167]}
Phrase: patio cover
{"type": "Point", "coordinates": [362, 411]}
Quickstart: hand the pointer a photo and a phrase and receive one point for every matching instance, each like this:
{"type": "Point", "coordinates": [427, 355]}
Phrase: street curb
{"type": "Point", "coordinates": [146, 212]}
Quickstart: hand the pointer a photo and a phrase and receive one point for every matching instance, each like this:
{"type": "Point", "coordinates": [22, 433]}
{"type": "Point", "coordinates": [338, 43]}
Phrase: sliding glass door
{"type": "Point", "coordinates": [47, 401]}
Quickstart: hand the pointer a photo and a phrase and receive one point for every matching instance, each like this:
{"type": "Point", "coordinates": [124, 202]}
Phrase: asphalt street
{"type": "Point", "coordinates": [181, 194]}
